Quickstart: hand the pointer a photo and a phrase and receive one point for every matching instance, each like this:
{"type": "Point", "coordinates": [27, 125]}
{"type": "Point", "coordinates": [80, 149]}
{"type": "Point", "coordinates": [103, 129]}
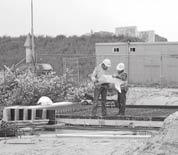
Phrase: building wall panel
{"type": "Point", "coordinates": [150, 63]}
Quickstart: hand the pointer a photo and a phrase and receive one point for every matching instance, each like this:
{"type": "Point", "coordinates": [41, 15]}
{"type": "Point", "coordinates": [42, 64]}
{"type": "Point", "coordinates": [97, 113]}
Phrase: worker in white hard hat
{"type": "Point", "coordinates": [44, 100]}
{"type": "Point", "coordinates": [121, 100]}
{"type": "Point", "coordinates": [100, 89]}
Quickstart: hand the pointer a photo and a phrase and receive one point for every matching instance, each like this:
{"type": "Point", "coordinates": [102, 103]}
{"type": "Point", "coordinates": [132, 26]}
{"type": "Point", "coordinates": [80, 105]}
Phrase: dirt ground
{"type": "Point", "coordinates": [165, 142]}
{"type": "Point", "coordinates": [68, 146]}
{"type": "Point", "coordinates": [151, 96]}
{"type": "Point", "coordinates": [158, 96]}
{"type": "Point", "coordinates": [142, 96]}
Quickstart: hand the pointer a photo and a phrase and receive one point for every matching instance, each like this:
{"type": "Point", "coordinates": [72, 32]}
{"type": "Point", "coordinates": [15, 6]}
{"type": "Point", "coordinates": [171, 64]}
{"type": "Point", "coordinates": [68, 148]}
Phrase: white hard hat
{"type": "Point", "coordinates": [44, 100]}
{"type": "Point", "coordinates": [120, 67]}
{"type": "Point", "coordinates": [107, 62]}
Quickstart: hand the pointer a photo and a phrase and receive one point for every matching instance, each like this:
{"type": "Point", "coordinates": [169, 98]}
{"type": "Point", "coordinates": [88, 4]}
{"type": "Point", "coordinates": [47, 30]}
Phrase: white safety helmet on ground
{"type": "Point", "coordinates": [120, 67]}
{"type": "Point", "coordinates": [44, 100]}
{"type": "Point", "coordinates": [107, 62]}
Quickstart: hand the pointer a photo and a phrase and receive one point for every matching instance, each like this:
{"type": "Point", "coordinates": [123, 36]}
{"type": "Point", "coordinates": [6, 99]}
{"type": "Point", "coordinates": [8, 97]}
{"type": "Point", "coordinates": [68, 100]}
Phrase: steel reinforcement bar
{"type": "Point", "coordinates": [153, 106]}
{"type": "Point", "coordinates": [112, 122]}
{"type": "Point", "coordinates": [126, 117]}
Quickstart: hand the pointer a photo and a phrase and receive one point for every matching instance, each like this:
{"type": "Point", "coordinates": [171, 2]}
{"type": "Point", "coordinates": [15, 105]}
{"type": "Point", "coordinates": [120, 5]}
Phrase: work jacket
{"type": "Point", "coordinates": [123, 76]}
{"type": "Point", "coordinates": [97, 74]}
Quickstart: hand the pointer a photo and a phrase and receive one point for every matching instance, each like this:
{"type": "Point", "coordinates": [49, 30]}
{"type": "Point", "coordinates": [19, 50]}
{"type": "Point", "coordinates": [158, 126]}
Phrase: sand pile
{"type": "Point", "coordinates": [165, 143]}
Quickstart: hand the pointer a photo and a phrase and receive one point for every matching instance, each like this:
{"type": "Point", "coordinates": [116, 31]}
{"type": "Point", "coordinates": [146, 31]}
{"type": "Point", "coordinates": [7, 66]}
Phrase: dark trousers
{"type": "Point", "coordinates": [99, 90]}
{"type": "Point", "coordinates": [121, 102]}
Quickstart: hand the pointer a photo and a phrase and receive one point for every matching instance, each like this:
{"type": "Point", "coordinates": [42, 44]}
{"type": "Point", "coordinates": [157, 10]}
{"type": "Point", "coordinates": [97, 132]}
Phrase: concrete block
{"type": "Point", "coordinates": [33, 116]}
{"type": "Point", "coordinates": [25, 114]}
{"type": "Point", "coordinates": [16, 114]}
{"type": "Point", "coordinates": [5, 114]}
{"type": "Point", "coordinates": [44, 114]}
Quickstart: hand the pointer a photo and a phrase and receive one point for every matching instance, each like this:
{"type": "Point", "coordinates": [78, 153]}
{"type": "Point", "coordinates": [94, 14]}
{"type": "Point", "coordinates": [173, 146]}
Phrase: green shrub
{"type": "Point", "coordinates": [26, 88]}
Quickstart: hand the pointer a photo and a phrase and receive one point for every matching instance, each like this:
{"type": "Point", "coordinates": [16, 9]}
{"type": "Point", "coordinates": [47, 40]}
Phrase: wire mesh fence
{"type": "Point", "coordinates": [143, 70]}
{"type": "Point", "coordinates": [80, 66]}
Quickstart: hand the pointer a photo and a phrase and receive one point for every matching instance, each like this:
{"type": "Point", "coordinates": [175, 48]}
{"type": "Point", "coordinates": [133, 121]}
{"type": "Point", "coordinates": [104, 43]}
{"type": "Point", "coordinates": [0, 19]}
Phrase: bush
{"type": "Point", "coordinates": [26, 88]}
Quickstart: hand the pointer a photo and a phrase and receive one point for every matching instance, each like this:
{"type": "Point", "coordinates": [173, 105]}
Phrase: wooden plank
{"type": "Point", "coordinates": [103, 122]}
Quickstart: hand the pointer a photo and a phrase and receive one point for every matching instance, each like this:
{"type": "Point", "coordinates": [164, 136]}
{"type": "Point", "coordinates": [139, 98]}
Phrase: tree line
{"type": "Point", "coordinates": [12, 49]}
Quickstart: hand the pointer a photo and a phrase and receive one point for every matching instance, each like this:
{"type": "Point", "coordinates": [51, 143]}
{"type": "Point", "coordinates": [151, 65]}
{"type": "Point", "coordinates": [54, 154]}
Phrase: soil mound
{"type": "Point", "coordinates": [164, 143]}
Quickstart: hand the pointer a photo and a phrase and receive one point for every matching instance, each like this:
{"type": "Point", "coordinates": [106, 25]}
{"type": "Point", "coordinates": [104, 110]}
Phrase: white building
{"type": "Point", "coordinates": [126, 31]}
{"type": "Point", "coordinates": [147, 36]}
{"type": "Point", "coordinates": [146, 63]}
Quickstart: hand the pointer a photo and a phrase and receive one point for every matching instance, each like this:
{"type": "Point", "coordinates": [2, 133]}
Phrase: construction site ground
{"type": "Point", "coordinates": [145, 112]}
{"type": "Point", "coordinates": [68, 146]}
{"type": "Point", "coordinates": [163, 142]}
{"type": "Point", "coordinates": [140, 96]}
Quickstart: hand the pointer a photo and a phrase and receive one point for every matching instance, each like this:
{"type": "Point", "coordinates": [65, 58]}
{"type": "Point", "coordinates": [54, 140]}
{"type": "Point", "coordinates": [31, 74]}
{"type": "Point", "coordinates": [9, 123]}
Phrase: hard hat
{"type": "Point", "coordinates": [44, 100]}
{"type": "Point", "coordinates": [107, 62]}
{"type": "Point", "coordinates": [120, 67]}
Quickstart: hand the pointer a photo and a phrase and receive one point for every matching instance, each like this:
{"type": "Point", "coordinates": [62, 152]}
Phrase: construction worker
{"type": "Point", "coordinates": [121, 100]}
{"type": "Point", "coordinates": [100, 89]}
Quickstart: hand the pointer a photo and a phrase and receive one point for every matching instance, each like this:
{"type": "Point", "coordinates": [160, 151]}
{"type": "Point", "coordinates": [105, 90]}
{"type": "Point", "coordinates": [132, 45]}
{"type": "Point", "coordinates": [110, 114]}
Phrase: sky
{"type": "Point", "coordinates": [77, 17]}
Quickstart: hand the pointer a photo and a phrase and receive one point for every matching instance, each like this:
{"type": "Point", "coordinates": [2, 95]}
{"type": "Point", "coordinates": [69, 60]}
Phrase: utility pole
{"type": "Point", "coordinates": [128, 60]}
{"type": "Point", "coordinates": [32, 33]}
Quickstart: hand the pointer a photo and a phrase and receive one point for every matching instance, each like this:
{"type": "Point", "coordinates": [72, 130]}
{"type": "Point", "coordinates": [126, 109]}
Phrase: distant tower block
{"type": "Point", "coordinates": [29, 57]}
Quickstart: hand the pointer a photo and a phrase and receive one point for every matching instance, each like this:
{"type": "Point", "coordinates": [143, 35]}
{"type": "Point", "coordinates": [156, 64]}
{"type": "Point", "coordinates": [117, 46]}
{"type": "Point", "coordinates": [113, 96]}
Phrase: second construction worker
{"type": "Point", "coordinates": [121, 100]}
{"type": "Point", "coordinates": [100, 89]}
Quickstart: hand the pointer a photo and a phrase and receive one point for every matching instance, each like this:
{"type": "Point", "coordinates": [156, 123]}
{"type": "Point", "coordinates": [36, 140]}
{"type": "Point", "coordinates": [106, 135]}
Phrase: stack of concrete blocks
{"type": "Point", "coordinates": [8, 116]}
{"type": "Point", "coordinates": [39, 113]}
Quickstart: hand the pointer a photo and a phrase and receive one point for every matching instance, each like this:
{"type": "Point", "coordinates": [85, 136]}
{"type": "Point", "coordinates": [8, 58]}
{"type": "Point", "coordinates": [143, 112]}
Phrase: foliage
{"type": "Point", "coordinates": [53, 50]}
{"type": "Point", "coordinates": [12, 49]}
{"type": "Point", "coordinates": [27, 88]}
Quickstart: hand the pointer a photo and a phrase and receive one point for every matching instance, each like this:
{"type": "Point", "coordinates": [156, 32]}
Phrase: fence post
{"type": "Point", "coordinates": [78, 71]}
{"type": "Point", "coordinates": [161, 70]}
{"type": "Point", "coordinates": [4, 76]}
